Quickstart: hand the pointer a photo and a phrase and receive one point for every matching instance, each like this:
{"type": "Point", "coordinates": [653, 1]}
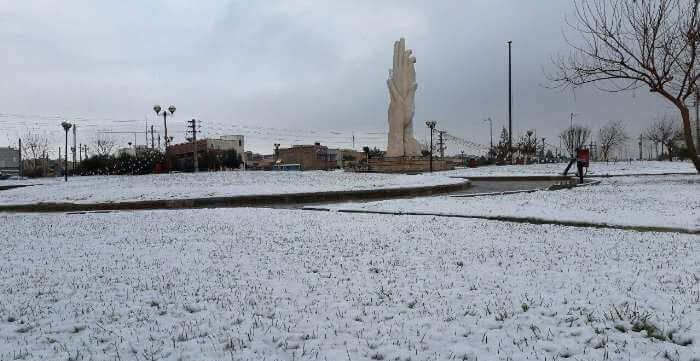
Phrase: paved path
{"type": "Point", "coordinates": [488, 186]}
{"type": "Point", "coordinates": [514, 219]}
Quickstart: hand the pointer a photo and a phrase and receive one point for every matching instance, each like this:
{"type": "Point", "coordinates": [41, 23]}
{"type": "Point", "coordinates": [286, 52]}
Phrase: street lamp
{"type": "Point", "coordinates": [66, 126]}
{"type": "Point", "coordinates": [490, 134]}
{"type": "Point", "coordinates": [431, 124]}
{"type": "Point", "coordinates": [164, 112]}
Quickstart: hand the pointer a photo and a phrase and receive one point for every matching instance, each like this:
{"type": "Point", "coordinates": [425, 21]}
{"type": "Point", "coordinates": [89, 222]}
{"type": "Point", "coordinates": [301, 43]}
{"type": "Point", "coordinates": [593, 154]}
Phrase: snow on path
{"type": "Point", "coordinates": [217, 184]}
{"type": "Point", "coordinates": [597, 168]}
{"type": "Point", "coordinates": [254, 284]}
{"type": "Point", "coordinates": [669, 201]}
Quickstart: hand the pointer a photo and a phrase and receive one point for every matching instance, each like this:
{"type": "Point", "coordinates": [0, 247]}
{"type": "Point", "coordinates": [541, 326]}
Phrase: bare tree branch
{"type": "Point", "coordinates": [627, 44]}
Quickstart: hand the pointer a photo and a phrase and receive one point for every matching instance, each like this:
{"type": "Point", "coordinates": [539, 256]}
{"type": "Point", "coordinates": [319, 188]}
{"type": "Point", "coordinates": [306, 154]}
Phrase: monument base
{"type": "Point", "coordinates": [400, 165]}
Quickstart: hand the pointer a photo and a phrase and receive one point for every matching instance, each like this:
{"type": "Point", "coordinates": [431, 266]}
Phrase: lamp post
{"type": "Point", "coordinates": [164, 112]}
{"type": "Point", "coordinates": [431, 124]}
{"type": "Point", "coordinates": [490, 135]}
{"type": "Point", "coordinates": [66, 126]}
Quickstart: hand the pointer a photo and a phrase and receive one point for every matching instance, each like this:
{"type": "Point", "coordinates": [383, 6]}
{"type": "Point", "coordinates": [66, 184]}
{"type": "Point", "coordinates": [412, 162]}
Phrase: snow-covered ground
{"type": "Point", "coordinates": [195, 185]}
{"type": "Point", "coordinates": [669, 201]}
{"type": "Point", "coordinates": [264, 284]}
{"type": "Point", "coordinates": [596, 168]}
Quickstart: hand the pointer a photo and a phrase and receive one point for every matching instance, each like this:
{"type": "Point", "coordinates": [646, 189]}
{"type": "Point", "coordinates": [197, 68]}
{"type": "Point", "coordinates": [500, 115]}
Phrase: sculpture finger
{"type": "Point", "coordinates": [402, 53]}
{"type": "Point", "coordinates": [395, 68]}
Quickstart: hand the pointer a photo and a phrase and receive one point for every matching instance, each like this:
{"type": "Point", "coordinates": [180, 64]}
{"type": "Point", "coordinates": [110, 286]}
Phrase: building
{"type": "Point", "coordinates": [348, 156]}
{"type": "Point", "coordinates": [184, 152]}
{"type": "Point", "coordinates": [137, 150]}
{"type": "Point", "coordinates": [256, 161]}
{"type": "Point", "coordinates": [226, 142]}
{"type": "Point", "coordinates": [311, 157]}
{"type": "Point", "coordinates": [9, 159]}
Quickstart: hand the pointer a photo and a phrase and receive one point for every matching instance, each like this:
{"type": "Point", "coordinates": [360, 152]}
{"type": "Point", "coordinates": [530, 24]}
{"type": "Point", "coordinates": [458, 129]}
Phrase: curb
{"type": "Point", "coordinates": [586, 183]}
{"type": "Point", "coordinates": [266, 200]}
{"type": "Point", "coordinates": [516, 178]}
{"type": "Point", "coordinates": [13, 186]}
{"type": "Point", "coordinates": [512, 219]}
{"type": "Point", "coordinates": [633, 175]}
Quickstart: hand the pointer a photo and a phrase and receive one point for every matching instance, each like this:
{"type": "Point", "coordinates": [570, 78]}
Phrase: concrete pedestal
{"type": "Point", "coordinates": [400, 165]}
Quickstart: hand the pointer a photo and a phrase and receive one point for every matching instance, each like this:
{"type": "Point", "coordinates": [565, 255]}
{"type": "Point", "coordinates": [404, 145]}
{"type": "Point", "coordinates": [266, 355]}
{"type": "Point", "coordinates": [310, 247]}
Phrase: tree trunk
{"type": "Point", "coordinates": [688, 135]}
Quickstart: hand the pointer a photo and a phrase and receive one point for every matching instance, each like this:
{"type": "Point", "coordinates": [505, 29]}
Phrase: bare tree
{"type": "Point", "coordinates": [502, 150]}
{"type": "Point", "coordinates": [664, 131]}
{"type": "Point", "coordinates": [527, 145]}
{"type": "Point", "coordinates": [35, 146]}
{"type": "Point", "coordinates": [103, 145]}
{"type": "Point", "coordinates": [628, 44]}
{"type": "Point", "coordinates": [575, 137]}
{"type": "Point", "coordinates": [611, 136]}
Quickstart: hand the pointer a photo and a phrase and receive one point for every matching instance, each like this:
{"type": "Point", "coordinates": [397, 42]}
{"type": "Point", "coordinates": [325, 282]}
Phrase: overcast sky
{"type": "Point", "coordinates": [289, 71]}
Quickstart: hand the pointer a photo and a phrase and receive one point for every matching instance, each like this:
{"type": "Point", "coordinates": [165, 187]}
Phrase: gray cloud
{"type": "Point", "coordinates": [308, 67]}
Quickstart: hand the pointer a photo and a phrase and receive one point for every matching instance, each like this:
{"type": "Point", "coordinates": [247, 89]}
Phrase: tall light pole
{"type": "Point", "coordinates": [571, 134]}
{"type": "Point", "coordinates": [73, 150]}
{"type": "Point", "coordinates": [66, 126]}
{"type": "Point", "coordinates": [164, 112]}
{"type": "Point", "coordinates": [431, 124]}
{"type": "Point", "coordinates": [510, 99]}
{"type": "Point", "coordinates": [490, 134]}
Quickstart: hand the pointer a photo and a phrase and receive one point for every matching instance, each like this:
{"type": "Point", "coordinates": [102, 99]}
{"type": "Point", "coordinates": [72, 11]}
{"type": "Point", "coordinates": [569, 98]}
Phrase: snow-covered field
{"type": "Point", "coordinates": [264, 284]}
{"type": "Point", "coordinates": [669, 201]}
{"type": "Point", "coordinates": [596, 168]}
{"type": "Point", "coordinates": [196, 185]}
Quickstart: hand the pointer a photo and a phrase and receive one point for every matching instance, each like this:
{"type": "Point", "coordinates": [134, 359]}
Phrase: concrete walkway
{"type": "Point", "coordinates": [530, 220]}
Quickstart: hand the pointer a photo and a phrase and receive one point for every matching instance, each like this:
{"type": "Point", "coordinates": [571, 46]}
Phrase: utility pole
{"type": "Point", "coordinates": [193, 129]}
{"type": "Point", "coordinates": [441, 144]}
{"type": "Point", "coordinates": [20, 158]}
{"type": "Point", "coordinates": [152, 139]}
{"type": "Point", "coordinates": [510, 100]}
